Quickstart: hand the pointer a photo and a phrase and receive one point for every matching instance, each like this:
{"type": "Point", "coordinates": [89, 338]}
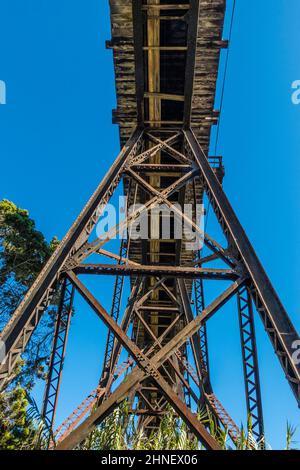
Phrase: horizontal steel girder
{"type": "Point", "coordinates": [165, 271]}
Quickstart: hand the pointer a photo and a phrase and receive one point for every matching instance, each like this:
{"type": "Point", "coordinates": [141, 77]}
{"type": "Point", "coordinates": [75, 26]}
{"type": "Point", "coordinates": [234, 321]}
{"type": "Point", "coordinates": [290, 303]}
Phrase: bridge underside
{"type": "Point", "coordinates": [166, 59]}
{"type": "Point", "coordinates": [166, 65]}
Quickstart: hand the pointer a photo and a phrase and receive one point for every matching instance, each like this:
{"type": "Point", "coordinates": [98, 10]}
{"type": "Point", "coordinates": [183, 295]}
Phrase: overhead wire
{"type": "Point", "coordinates": [222, 94]}
{"type": "Point", "coordinates": [225, 74]}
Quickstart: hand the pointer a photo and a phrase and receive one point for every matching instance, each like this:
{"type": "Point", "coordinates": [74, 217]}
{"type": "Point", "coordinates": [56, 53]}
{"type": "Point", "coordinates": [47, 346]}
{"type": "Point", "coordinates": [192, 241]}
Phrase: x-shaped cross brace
{"type": "Point", "coordinates": [147, 367]}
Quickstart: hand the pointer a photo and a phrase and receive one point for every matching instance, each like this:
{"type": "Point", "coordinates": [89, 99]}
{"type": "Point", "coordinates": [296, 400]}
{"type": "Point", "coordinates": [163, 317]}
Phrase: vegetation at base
{"type": "Point", "coordinates": [121, 431]}
{"type": "Point", "coordinates": [23, 428]}
{"type": "Point", "coordinates": [21, 425]}
{"type": "Point", "coordinates": [14, 424]}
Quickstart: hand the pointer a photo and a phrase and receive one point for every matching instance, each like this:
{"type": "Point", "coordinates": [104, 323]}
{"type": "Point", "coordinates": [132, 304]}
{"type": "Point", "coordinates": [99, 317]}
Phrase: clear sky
{"type": "Point", "coordinates": [57, 141]}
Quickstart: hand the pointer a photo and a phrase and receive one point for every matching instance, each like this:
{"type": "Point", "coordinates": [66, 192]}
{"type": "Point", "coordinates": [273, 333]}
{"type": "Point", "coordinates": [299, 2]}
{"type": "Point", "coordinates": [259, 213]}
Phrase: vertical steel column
{"type": "Point", "coordinates": [250, 362]}
{"type": "Point", "coordinates": [199, 293]}
{"type": "Point", "coordinates": [186, 375]}
{"type": "Point", "coordinates": [199, 307]}
{"type": "Point", "coordinates": [115, 312]}
{"type": "Point", "coordinates": [58, 353]}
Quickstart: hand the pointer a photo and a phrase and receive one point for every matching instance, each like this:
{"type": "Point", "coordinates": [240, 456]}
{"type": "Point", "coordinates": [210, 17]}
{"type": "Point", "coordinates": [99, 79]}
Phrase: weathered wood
{"type": "Point", "coordinates": [209, 43]}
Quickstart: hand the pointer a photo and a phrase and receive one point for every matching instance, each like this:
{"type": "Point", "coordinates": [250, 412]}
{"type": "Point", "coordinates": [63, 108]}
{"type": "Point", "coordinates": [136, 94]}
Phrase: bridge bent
{"type": "Point", "coordinates": [166, 59]}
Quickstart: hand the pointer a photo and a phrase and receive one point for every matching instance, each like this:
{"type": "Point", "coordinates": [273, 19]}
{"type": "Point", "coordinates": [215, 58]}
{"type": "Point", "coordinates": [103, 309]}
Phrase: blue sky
{"type": "Point", "coordinates": [57, 141]}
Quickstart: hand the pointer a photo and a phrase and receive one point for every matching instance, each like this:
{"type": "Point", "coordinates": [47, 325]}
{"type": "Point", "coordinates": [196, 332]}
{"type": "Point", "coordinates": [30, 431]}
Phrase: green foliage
{"type": "Point", "coordinates": [172, 434]}
{"type": "Point", "coordinates": [15, 426]}
{"type": "Point", "coordinates": [121, 431]}
{"type": "Point", "coordinates": [290, 433]}
{"type": "Point", "coordinates": [24, 249]}
{"type": "Point", "coordinates": [21, 425]}
{"type": "Point", "coordinates": [23, 253]}
{"type": "Point", "coordinates": [113, 433]}
{"type": "Point", "coordinates": [40, 434]}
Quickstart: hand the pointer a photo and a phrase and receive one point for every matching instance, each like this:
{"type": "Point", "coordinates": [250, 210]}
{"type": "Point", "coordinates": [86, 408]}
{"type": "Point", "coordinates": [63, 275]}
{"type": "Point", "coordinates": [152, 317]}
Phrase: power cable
{"type": "Point", "coordinates": [225, 75]}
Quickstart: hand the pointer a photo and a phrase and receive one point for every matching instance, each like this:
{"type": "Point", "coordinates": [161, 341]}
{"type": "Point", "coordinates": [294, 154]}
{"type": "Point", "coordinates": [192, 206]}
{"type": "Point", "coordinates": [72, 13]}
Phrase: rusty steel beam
{"type": "Point", "coordinates": [195, 339]}
{"type": "Point", "coordinates": [108, 376]}
{"type": "Point", "coordinates": [18, 330]}
{"type": "Point", "coordinates": [223, 416]}
{"type": "Point", "coordinates": [250, 363]}
{"type": "Point", "coordinates": [58, 354]}
{"type": "Point", "coordinates": [217, 249]}
{"type": "Point", "coordinates": [199, 307]}
{"type": "Point", "coordinates": [171, 362]}
{"type": "Point", "coordinates": [115, 312]}
{"type": "Point", "coordinates": [215, 406]}
{"type": "Point", "coordinates": [76, 416]}
{"type": "Point", "coordinates": [85, 407]}
{"type": "Point", "coordinates": [88, 248]}
{"type": "Point", "coordinates": [146, 270]}
{"type": "Point", "coordinates": [159, 363]}
{"type": "Point", "coordinates": [278, 325]}
{"type": "Point", "coordinates": [147, 167]}
{"type": "Point", "coordinates": [147, 154]}
{"type": "Point", "coordinates": [150, 368]}
{"type": "Point", "coordinates": [167, 147]}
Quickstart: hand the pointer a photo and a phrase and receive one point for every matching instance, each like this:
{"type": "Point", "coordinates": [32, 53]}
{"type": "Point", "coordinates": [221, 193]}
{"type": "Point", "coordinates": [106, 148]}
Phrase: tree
{"type": "Point", "coordinates": [15, 427]}
{"type": "Point", "coordinates": [24, 249]}
{"type": "Point", "coordinates": [23, 252]}
{"type": "Point", "coordinates": [21, 424]}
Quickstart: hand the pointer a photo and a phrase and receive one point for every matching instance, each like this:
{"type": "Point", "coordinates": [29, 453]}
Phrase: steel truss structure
{"type": "Point", "coordinates": [163, 165]}
{"type": "Point", "coordinates": [58, 351]}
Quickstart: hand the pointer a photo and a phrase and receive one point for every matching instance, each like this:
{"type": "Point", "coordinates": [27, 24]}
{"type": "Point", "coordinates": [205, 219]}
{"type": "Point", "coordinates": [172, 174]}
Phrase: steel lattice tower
{"type": "Point", "coordinates": [166, 59]}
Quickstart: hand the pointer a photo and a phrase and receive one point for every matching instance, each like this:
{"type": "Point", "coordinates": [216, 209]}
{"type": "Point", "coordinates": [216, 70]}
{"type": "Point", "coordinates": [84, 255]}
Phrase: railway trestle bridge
{"type": "Point", "coordinates": [166, 58]}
